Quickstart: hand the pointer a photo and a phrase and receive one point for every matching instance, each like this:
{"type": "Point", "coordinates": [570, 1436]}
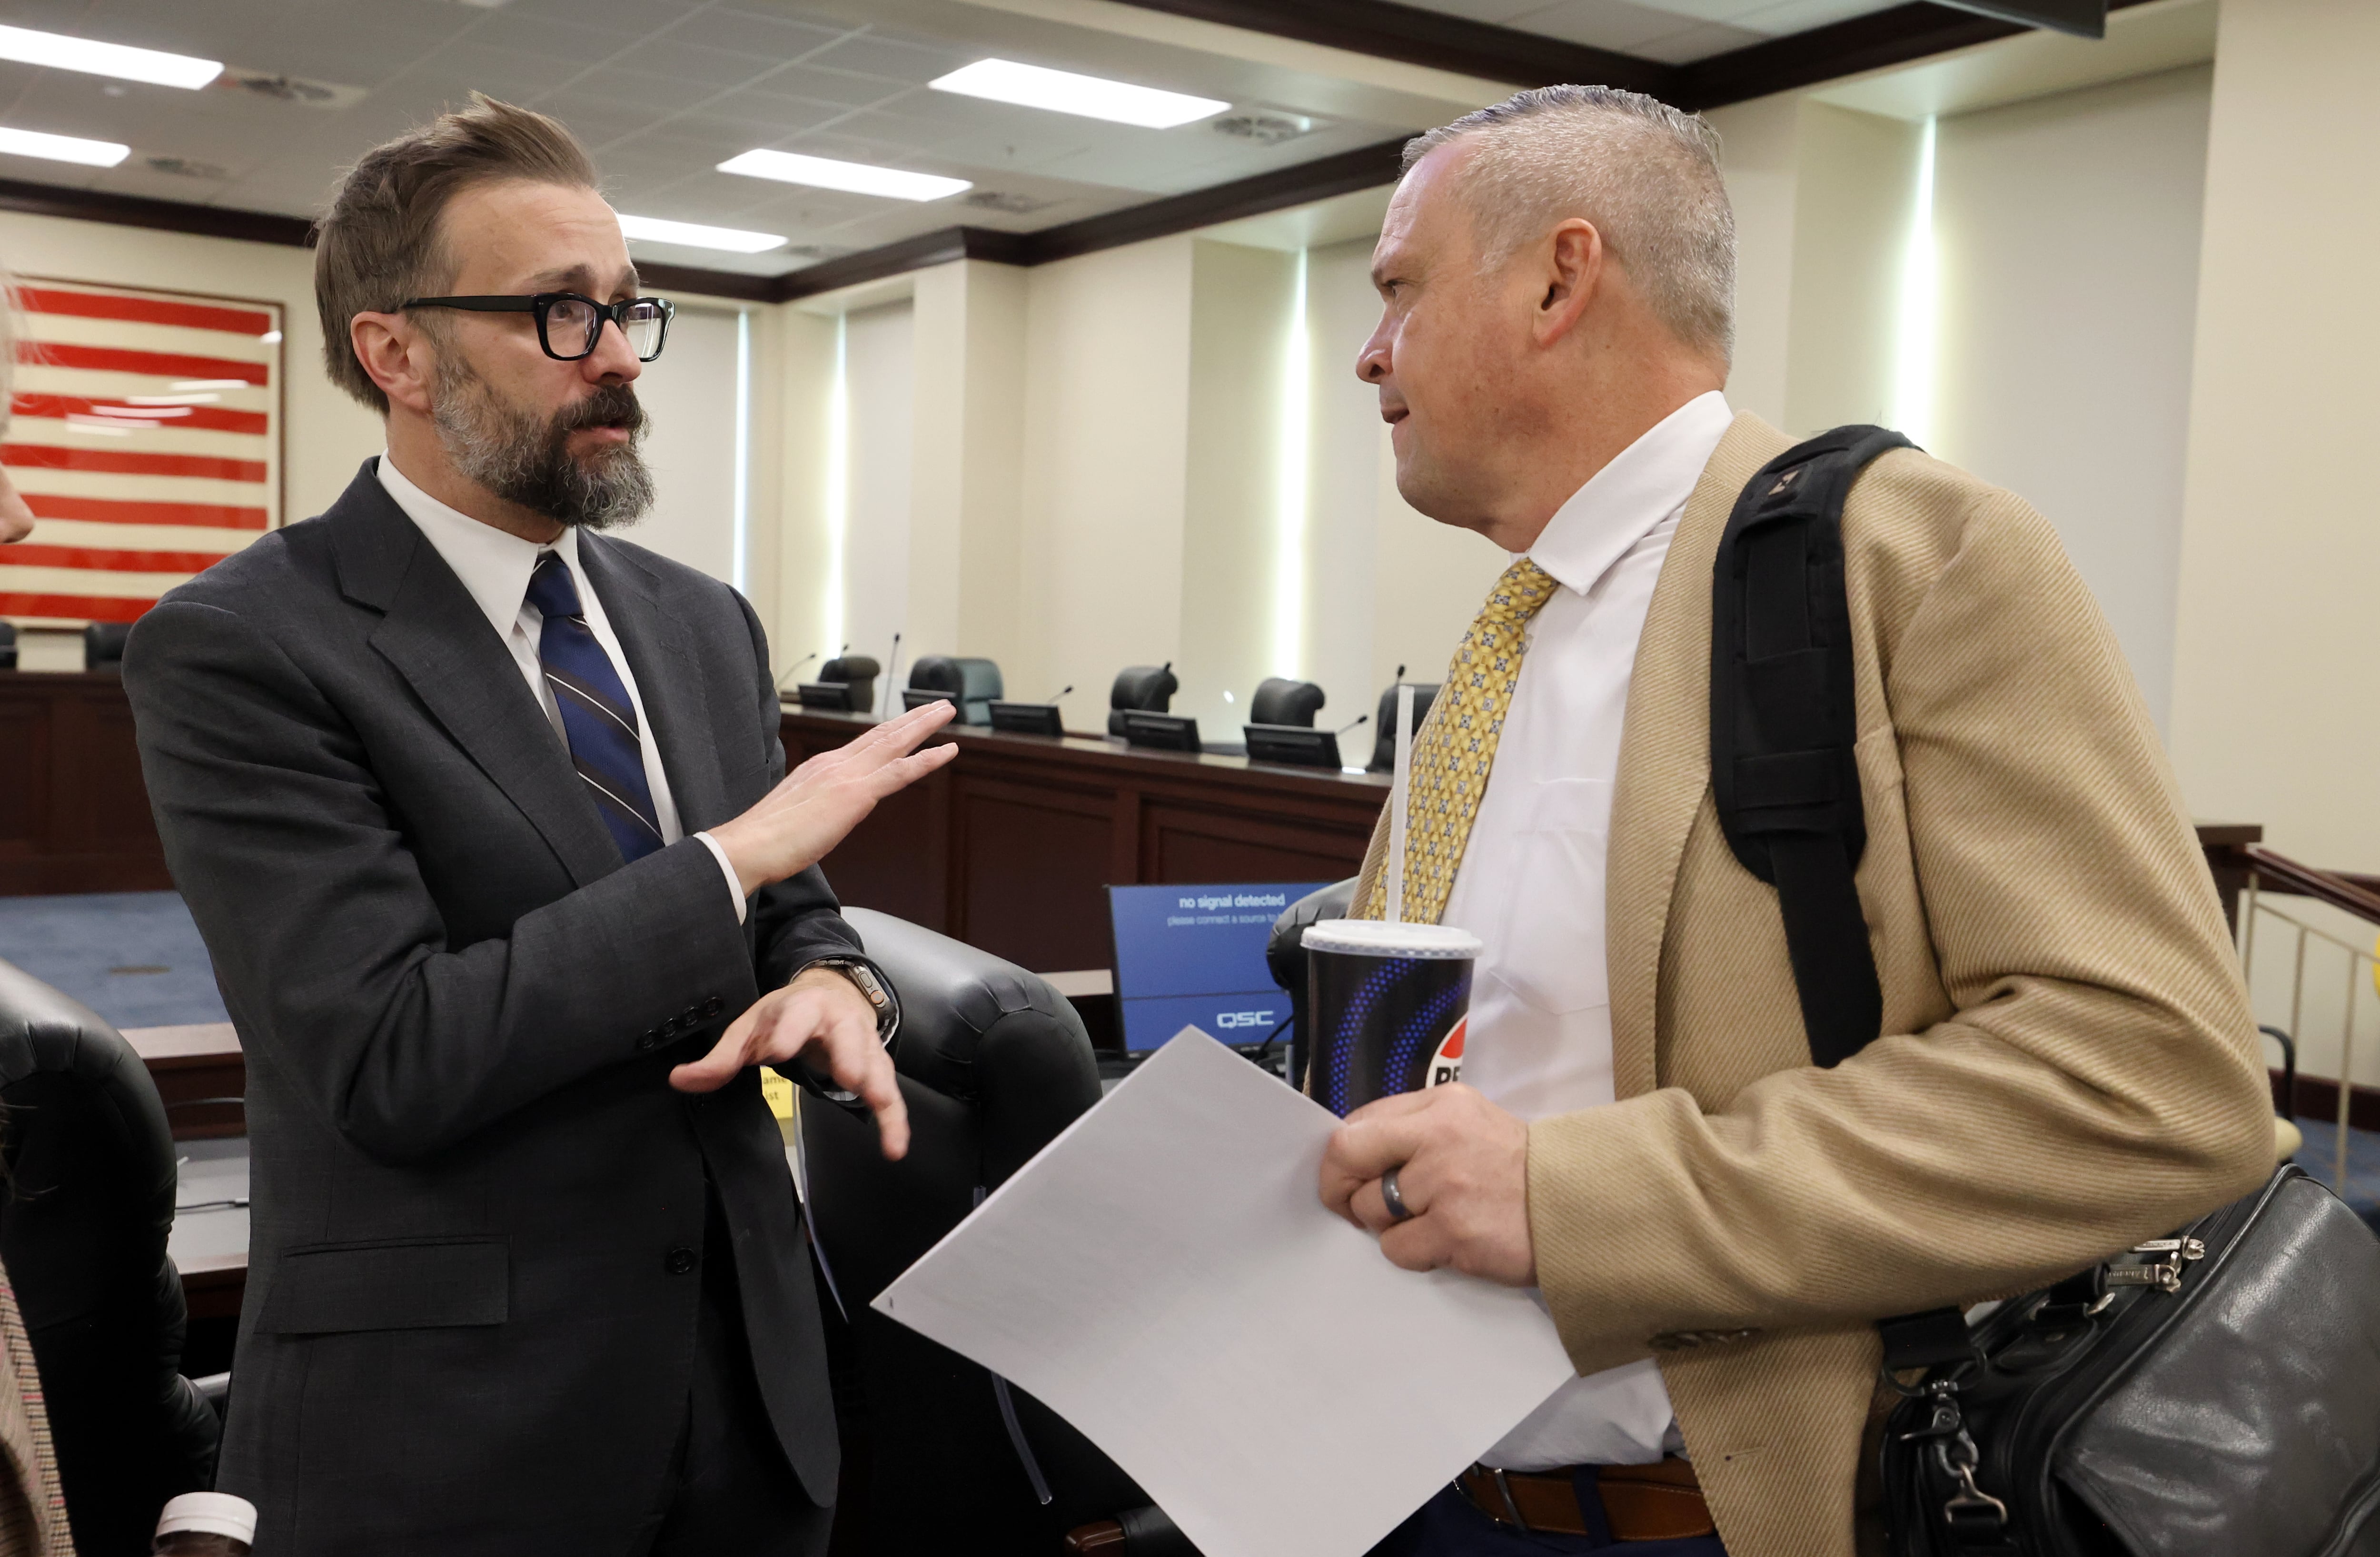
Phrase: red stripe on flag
{"type": "Point", "coordinates": [211, 418]}
{"type": "Point", "coordinates": [123, 360]}
{"type": "Point", "coordinates": [87, 608]}
{"type": "Point", "coordinates": [124, 462]}
{"type": "Point", "coordinates": [146, 310]}
{"type": "Point", "coordinates": [34, 554]}
{"type": "Point", "coordinates": [116, 511]}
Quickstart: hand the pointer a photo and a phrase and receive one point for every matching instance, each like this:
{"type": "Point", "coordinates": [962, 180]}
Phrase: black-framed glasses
{"type": "Point", "coordinates": [569, 324]}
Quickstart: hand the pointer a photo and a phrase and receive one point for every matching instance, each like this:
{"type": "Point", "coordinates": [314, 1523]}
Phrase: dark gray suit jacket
{"type": "Point", "coordinates": [466, 1331]}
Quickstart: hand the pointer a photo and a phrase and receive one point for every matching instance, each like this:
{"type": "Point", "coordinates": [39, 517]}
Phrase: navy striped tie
{"type": "Point", "coordinates": [596, 713]}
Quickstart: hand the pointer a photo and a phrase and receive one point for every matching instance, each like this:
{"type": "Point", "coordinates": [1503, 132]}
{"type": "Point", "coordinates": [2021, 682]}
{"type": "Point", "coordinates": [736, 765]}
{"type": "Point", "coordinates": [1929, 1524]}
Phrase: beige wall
{"type": "Point", "coordinates": [1105, 468]}
{"type": "Point", "coordinates": [2068, 234]}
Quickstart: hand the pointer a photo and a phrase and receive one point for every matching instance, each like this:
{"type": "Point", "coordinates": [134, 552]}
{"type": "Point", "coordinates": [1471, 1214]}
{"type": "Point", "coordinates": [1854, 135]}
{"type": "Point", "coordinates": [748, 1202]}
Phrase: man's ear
{"type": "Point", "coordinates": [396, 356]}
{"type": "Point", "coordinates": [1572, 273]}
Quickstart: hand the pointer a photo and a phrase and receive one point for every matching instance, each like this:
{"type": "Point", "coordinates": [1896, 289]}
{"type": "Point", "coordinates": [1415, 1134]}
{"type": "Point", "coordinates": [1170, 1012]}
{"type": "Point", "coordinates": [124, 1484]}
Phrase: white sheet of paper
{"type": "Point", "coordinates": [1164, 1276]}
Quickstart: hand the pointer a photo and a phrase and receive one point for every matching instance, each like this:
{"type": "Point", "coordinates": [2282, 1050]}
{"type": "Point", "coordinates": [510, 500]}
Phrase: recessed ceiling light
{"type": "Point", "coordinates": [694, 235]}
{"type": "Point", "coordinates": [1063, 91]}
{"type": "Point", "coordinates": [856, 178]}
{"type": "Point", "coordinates": [60, 52]}
{"type": "Point", "coordinates": [62, 148]}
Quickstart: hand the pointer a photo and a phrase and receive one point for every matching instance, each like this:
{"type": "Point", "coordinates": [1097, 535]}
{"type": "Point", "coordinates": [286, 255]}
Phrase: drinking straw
{"type": "Point", "coordinates": [1396, 911]}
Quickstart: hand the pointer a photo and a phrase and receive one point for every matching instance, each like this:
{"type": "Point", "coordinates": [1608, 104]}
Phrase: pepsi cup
{"type": "Point", "coordinates": [1386, 1005]}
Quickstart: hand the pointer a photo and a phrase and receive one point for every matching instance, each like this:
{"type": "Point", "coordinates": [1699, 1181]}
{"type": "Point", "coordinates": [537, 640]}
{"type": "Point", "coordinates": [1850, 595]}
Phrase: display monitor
{"type": "Point", "coordinates": [1193, 956]}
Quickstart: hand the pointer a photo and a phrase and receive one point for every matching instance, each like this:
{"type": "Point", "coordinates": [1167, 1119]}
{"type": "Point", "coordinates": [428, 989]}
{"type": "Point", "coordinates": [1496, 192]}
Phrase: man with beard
{"type": "Point", "coordinates": [484, 818]}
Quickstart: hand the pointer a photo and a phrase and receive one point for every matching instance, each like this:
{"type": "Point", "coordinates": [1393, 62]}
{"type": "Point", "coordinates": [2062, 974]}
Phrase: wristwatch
{"type": "Point", "coordinates": [873, 987]}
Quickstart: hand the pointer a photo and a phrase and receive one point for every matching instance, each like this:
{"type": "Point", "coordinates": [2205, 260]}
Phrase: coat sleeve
{"type": "Point", "coordinates": [328, 945]}
{"type": "Point", "coordinates": [797, 921]}
{"type": "Point", "coordinates": [2094, 1081]}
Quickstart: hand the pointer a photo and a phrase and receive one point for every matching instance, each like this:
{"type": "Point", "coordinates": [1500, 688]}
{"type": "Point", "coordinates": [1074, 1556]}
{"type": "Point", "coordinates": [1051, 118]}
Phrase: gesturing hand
{"type": "Point", "coordinates": [820, 1017]}
{"type": "Point", "coordinates": [1462, 1169]}
{"type": "Point", "coordinates": [796, 824]}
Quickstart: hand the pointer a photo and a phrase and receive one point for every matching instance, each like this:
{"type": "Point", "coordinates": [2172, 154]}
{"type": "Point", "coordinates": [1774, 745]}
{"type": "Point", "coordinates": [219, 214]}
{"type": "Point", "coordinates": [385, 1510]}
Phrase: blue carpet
{"type": "Point", "coordinates": [2319, 1157]}
{"type": "Point", "coordinates": [134, 957]}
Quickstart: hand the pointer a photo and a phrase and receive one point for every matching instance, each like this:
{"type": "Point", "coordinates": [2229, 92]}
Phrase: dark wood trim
{"type": "Point", "coordinates": [1413, 36]}
{"type": "Point", "coordinates": [937, 248]}
{"type": "Point", "coordinates": [659, 277]}
{"type": "Point", "coordinates": [1365, 167]}
{"type": "Point", "coordinates": [2318, 1099]}
{"type": "Point", "coordinates": [1823, 54]}
{"type": "Point", "coordinates": [165, 216]}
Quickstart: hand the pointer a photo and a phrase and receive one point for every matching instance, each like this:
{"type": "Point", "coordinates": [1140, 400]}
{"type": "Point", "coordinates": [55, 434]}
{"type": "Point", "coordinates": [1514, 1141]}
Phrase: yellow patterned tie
{"type": "Point", "coordinates": [1456, 746]}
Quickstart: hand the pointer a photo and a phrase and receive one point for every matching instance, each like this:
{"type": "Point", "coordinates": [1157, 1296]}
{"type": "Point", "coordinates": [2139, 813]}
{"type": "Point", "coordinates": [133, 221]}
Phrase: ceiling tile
{"type": "Point", "coordinates": [634, 91]}
{"type": "Point", "coordinates": [1604, 24]}
{"type": "Point", "coordinates": [558, 39]}
{"type": "Point", "coordinates": [1698, 42]}
{"type": "Point", "coordinates": [827, 86]}
{"type": "Point", "coordinates": [716, 68]}
{"type": "Point", "coordinates": [875, 56]}
{"type": "Point", "coordinates": [756, 37]}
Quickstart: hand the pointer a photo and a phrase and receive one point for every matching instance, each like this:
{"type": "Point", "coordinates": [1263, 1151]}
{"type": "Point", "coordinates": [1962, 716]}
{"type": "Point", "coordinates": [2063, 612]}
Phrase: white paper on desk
{"type": "Point", "coordinates": [1164, 1276]}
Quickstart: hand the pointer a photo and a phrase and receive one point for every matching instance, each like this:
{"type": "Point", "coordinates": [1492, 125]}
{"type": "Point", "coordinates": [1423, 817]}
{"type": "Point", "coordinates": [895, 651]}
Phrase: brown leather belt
{"type": "Point", "coordinates": [1640, 1503]}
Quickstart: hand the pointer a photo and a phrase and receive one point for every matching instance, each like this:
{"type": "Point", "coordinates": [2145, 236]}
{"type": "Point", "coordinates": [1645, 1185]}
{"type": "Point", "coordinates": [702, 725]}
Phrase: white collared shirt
{"type": "Point", "coordinates": [494, 568]}
{"type": "Point", "coordinates": [1531, 884]}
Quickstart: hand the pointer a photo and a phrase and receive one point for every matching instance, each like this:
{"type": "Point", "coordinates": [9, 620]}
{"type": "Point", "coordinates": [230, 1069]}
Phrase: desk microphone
{"type": "Point", "coordinates": [1349, 725]}
{"type": "Point", "coordinates": [797, 665]}
{"type": "Point", "coordinates": [1055, 696]}
{"type": "Point", "coordinates": [892, 674]}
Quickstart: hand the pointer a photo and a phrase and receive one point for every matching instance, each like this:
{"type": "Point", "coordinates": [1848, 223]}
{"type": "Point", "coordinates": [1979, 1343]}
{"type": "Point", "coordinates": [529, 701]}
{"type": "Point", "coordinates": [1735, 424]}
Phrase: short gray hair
{"type": "Point", "coordinates": [1647, 174]}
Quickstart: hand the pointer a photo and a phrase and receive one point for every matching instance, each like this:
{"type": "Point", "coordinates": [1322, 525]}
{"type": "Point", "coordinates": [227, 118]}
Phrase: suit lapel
{"type": "Point", "coordinates": [1665, 753]}
{"type": "Point", "coordinates": [669, 679]}
{"type": "Point", "coordinates": [436, 637]}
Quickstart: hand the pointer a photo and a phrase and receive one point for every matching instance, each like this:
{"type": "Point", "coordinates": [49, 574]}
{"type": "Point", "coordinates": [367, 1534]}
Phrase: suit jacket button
{"type": "Point", "coordinates": [713, 1006]}
{"type": "Point", "coordinates": [681, 1260]}
{"type": "Point", "coordinates": [670, 1026]}
{"type": "Point", "coordinates": [652, 1038]}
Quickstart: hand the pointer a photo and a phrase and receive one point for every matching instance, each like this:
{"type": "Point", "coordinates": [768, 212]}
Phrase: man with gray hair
{"type": "Point", "coordinates": [2065, 1063]}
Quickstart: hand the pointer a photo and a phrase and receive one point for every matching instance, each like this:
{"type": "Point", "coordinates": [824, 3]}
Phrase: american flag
{"type": "Point", "coordinates": [146, 440]}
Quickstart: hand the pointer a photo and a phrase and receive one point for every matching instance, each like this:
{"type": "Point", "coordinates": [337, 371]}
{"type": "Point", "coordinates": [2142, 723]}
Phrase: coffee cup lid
{"type": "Point", "coordinates": [1374, 937]}
{"type": "Point", "coordinates": [217, 1514]}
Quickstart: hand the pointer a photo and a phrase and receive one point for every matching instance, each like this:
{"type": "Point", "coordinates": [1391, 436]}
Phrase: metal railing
{"type": "Point", "coordinates": [2287, 875]}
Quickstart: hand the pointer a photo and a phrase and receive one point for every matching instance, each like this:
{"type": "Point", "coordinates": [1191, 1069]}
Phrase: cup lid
{"type": "Point", "coordinates": [1375, 937]}
{"type": "Point", "coordinates": [217, 1514]}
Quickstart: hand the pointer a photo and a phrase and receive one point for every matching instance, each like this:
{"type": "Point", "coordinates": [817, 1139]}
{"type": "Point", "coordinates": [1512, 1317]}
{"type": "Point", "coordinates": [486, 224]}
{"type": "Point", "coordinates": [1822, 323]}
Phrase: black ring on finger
{"type": "Point", "coordinates": [1394, 1197]}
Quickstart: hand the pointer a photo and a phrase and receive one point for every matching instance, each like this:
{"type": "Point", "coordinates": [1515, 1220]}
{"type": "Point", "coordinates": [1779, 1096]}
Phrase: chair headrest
{"type": "Point", "coordinates": [78, 1094]}
{"type": "Point", "coordinates": [983, 1031]}
{"type": "Point", "coordinates": [849, 667]}
{"type": "Point", "coordinates": [1280, 701]}
{"type": "Point", "coordinates": [1149, 689]}
{"type": "Point", "coordinates": [966, 679]}
{"type": "Point", "coordinates": [102, 643]}
{"type": "Point", "coordinates": [1384, 742]}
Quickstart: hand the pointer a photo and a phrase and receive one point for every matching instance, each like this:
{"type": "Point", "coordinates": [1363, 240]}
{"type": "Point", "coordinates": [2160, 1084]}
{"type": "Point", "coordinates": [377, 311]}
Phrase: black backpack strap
{"type": "Point", "coordinates": [1783, 721]}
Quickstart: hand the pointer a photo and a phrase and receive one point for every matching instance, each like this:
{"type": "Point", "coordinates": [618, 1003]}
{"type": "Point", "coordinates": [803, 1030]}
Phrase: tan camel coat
{"type": "Point", "coordinates": [2069, 1064]}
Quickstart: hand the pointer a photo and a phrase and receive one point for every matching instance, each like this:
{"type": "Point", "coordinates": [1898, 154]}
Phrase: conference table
{"type": "Point", "coordinates": [1012, 846]}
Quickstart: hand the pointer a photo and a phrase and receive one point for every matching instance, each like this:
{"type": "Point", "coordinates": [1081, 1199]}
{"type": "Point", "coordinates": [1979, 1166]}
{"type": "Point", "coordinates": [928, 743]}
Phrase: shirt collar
{"type": "Point", "coordinates": [494, 566]}
{"type": "Point", "coordinates": [1620, 504]}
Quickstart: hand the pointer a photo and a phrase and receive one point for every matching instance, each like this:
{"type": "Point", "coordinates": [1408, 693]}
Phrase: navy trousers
{"type": "Point", "coordinates": [1448, 1526]}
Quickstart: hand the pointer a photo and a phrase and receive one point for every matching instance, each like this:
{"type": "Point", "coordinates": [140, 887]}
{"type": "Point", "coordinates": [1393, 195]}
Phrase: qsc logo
{"type": "Point", "coordinates": [1228, 1019]}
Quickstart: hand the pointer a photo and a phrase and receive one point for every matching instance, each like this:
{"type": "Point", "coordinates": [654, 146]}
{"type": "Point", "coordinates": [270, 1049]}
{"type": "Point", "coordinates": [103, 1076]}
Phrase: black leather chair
{"type": "Point", "coordinates": [1141, 689]}
{"type": "Point", "coordinates": [1285, 958]}
{"type": "Point", "coordinates": [857, 675]}
{"type": "Point", "coordinates": [938, 1456]}
{"type": "Point", "coordinates": [973, 684]}
{"type": "Point", "coordinates": [1384, 723]}
{"type": "Point", "coordinates": [8, 646]}
{"type": "Point", "coordinates": [1280, 701]}
{"type": "Point", "coordinates": [87, 1209]}
{"type": "Point", "coordinates": [102, 645]}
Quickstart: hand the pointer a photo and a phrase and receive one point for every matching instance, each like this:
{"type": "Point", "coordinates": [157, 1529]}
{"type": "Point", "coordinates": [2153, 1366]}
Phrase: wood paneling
{"type": "Point", "coordinates": [1014, 843]}
{"type": "Point", "coordinates": [74, 815]}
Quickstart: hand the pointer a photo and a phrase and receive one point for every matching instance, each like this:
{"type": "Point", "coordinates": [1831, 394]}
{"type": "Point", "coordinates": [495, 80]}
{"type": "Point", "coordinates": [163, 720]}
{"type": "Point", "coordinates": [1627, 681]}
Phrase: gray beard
{"type": "Point", "coordinates": [519, 458]}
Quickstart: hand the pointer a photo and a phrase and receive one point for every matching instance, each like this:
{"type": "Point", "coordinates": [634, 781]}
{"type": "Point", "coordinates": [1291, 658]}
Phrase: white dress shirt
{"type": "Point", "coordinates": [495, 568]}
{"type": "Point", "coordinates": [1532, 879]}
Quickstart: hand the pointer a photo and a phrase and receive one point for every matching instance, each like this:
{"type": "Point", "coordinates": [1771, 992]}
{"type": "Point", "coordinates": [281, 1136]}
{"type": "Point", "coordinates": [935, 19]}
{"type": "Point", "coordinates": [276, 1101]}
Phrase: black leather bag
{"type": "Point", "coordinates": [2216, 1392]}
